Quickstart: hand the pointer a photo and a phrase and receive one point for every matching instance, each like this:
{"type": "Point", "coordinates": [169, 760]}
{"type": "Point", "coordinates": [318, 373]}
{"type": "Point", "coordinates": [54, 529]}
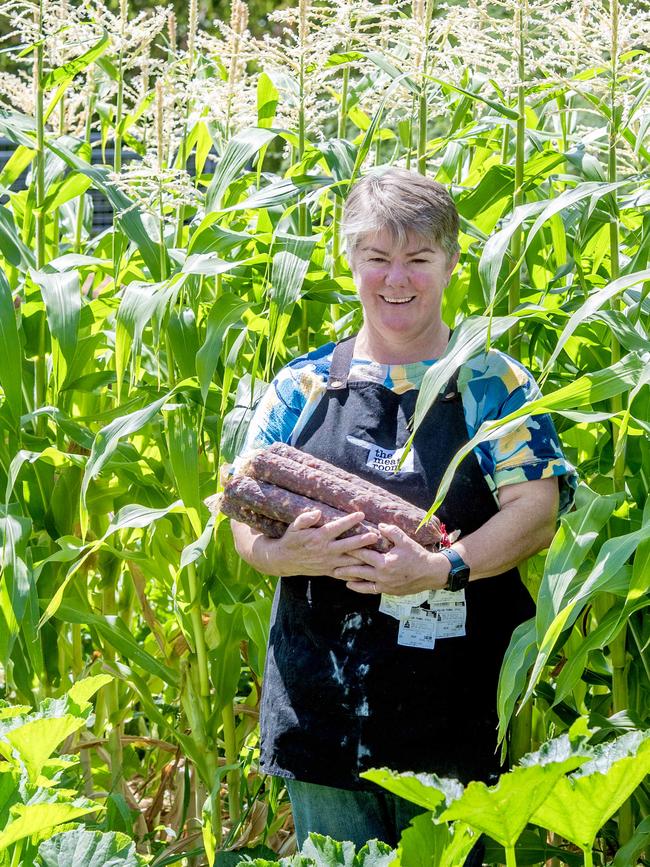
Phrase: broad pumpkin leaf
{"type": "Point", "coordinates": [428, 790]}
{"type": "Point", "coordinates": [36, 818]}
{"type": "Point", "coordinates": [37, 739]}
{"type": "Point", "coordinates": [428, 844]}
{"type": "Point", "coordinates": [578, 806]}
{"type": "Point", "coordinates": [83, 848]}
{"type": "Point", "coordinates": [83, 690]}
{"type": "Point", "coordinates": [503, 811]}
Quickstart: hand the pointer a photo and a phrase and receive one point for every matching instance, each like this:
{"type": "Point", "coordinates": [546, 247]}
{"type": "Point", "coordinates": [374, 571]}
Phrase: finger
{"type": "Point", "coordinates": [356, 572]}
{"type": "Point", "coordinates": [363, 587]}
{"type": "Point", "coordinates": [395, 535]}
{"type": "Point", "coordinates": [354, 543]}
{"type": "Point", "coordinates": [334, 528]}
{"type": "Point", "coordinates": [372, 558]}
{"type": "Point", "coordinates": [305, 520]}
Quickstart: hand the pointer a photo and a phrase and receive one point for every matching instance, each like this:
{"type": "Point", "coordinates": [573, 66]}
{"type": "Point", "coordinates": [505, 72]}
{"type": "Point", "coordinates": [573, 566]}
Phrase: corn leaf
{"type": "Point", "coordinates": [10, 352]}
{"type": "Point", "coordinates": [226, 312]}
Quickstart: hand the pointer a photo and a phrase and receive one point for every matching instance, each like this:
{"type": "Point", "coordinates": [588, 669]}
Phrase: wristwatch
{"type": "Point", "coordinates": [459, 575]}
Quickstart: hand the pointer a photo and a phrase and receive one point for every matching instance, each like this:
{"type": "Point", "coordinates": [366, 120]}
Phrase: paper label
{"type": "Point", "coordinates": [418, 629]}
{"type": "Point", "coordinates": [399, 607]}
{"type": "Point", "coordinates": [451, 612]}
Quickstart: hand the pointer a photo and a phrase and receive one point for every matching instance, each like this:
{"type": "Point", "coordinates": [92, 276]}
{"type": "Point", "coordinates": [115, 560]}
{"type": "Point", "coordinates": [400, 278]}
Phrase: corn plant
{"type": "Point", "coordinates": [132, 357]}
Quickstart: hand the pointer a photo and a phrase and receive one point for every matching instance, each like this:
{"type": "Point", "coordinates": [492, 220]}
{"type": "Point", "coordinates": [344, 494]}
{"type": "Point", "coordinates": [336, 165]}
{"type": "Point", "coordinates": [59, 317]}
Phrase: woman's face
{"type": "Point", "coordinates": [400, 288]}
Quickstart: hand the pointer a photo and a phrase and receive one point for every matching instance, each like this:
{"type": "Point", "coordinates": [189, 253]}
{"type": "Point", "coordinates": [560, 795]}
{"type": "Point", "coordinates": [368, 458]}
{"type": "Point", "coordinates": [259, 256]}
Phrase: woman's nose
{"type": "Point", "coordinates": [396, 274]}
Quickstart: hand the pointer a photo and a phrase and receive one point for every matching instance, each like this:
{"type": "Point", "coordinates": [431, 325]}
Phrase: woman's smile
{"type": "Point", "coordinates": [400, 287]}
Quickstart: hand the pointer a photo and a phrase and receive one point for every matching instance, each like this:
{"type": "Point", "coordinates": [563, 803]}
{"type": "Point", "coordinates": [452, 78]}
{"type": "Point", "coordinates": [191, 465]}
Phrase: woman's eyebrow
{"type": "Point", "coordinates": [385, 252]}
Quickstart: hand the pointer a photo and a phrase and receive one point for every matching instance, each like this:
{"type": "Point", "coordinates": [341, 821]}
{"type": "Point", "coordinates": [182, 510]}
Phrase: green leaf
{"type": "Point", "coordinates": [226, 311]}
{"type": "Point", "coordinates": [36, 818]}
{"type": "Point", "coordinates": [83, 690]}
{"type": "Point", "coordinates": [601, 577]}
{"type": "Point", "coordinates": [183, 445]}
{"type": "Point", "coordinates": [435, 845]}
{"type": "Point", "coordinates": [108, 438]}
{"type": "Point", "coordinates": [639, 841]}
{"type": "Point", "coordinates": [579, 805]}
{"type": "Point", "coordinates": [427, 790]}
{"type": "Point", "coordinates": [68, 71]}
{"type": "Point", "coordinates": [225, 660]}
{"type": "Point", "coordinates": [517, 662]}
{"type": "Point", "coordinates": [113, 630]}
{"type": "Point", "coordinates": [83, 848]}
{"type": "Point", "coordinates": [37, 740]}
{"type": "Point", "coordinates": [17, 581]}
{"type": "Point", "coordinates": [128, 215]}
{"type": "Point", "coordinates": [267, 101]}
{"type": "Point", "coordinates": [291, 257]}
{"type": "Point", "coordinates": [11, 372]}
{"type": "Point", "coordinates": [237, 155]}
{"type": "Point", "coordinates": [62, 299]}
{"type": "Point", "coordinates": [590, 388]}
{"type": "Point", "coordinates": [571, 544]}
{"type": "Point", "coordinates": [594, 302]}
{"type": "Point", "coordinates": [61, 191]}
{"type": "Point", "coordinates": [503, 811]}
{"type": "Point", "coordinates": [466, 341]}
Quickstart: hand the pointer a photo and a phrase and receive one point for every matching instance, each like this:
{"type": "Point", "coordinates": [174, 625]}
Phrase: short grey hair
{"type": "Point", "coordinates": [400, 201]}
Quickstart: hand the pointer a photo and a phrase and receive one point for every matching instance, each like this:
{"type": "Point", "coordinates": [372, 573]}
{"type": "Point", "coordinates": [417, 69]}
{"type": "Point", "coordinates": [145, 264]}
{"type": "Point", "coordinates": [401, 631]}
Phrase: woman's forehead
{"type": "Point", "coordinates": [385, 241]}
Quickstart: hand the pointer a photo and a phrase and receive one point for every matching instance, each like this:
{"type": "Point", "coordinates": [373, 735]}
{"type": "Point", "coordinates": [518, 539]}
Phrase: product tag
{"type": "Point", "coordinates": [418, 629]}
{"type": "Point", "coordinates": [399, 607]}
{"type": "Point", "coordinates": [451, 611]}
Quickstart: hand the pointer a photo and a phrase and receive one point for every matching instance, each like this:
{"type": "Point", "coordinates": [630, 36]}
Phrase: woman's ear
{"type": "Point", "coordinates": [453, 261]}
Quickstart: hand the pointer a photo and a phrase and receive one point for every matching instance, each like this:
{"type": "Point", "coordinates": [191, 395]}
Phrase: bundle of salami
{"type": "Point", "coordinates": [279, 483]}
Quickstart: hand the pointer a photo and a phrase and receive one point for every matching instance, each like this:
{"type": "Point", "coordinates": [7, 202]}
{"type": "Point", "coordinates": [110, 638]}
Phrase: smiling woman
{"type": "Point", "coordinates": [392, 659]}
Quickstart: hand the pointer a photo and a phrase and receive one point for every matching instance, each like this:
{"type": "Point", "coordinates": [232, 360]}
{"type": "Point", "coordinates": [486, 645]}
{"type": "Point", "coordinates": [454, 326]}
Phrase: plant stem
{"type": "Point", "coordinates": [40, 374]}
{"type": "Point", "coordinates": [511, 859]}
{"type": "Point", "coordinates": [87, 131]}
{"type": "Point", "coordinates": [514, 290]}
{"type": "Point", "coordinates": [303, 336]}
{"type": "Point", "coordinates": [232, 756]}
{"type": "Point", "coordinates": [520, 739]}
{"type": "Point", "coordinates": [588, 857]}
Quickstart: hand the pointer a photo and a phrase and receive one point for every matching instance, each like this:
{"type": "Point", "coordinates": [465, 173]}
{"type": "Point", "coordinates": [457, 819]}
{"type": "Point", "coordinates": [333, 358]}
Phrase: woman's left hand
{"type": "Point", "coordinates": [407, 568]}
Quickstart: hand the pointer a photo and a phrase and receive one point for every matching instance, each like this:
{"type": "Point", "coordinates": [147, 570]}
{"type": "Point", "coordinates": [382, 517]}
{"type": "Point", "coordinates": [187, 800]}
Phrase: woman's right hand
{"type": "Point", "coordinates": [305, 549]}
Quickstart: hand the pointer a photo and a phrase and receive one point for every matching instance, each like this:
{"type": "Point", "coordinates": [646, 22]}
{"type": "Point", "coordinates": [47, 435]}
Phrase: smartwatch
{"type": "Point", "coordinates": [459, 575]}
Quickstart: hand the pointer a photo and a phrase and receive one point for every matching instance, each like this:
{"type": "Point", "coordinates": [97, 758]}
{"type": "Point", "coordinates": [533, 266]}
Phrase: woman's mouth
{"type": "Point", "coordinates": [404, 300]}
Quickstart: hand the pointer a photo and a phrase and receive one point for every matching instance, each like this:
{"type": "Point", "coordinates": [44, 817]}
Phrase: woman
{"type": "Point", "coordinates": [355, 678]}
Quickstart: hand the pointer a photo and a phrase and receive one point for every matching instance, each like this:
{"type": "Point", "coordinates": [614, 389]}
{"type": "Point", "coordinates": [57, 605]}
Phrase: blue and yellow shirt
{"type": "Point", "coordinates": [491, 386]}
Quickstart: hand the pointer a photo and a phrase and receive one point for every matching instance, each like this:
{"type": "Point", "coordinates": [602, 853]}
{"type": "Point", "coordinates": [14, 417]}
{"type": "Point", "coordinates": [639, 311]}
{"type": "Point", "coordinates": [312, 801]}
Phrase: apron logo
{"type": "Point", "coordinates": [386, 460]}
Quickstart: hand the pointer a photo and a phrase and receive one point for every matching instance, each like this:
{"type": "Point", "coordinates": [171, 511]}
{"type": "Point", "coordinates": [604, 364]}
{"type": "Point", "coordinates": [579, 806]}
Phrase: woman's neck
{"type": "Point", "coordinates": [382, 350]}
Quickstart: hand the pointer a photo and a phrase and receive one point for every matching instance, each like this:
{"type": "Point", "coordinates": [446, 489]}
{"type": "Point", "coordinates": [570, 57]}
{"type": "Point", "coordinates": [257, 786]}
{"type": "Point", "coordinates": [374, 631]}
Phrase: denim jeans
{"type": "Point", "coordinates": [357, 816]}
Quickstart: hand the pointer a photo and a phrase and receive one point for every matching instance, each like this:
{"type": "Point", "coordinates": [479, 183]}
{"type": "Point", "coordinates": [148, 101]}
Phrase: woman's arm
{"type": "Point", "coordinates": [524, 525]}
{"type": "Point", "coordinates": [304, 549]}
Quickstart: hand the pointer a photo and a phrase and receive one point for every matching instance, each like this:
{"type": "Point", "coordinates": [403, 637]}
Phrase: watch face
{"type": "Point", "coordinates": [458, 578]}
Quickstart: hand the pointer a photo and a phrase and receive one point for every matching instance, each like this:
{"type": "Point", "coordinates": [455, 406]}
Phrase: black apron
{"type": "Point", "coordinates": [340, 694]}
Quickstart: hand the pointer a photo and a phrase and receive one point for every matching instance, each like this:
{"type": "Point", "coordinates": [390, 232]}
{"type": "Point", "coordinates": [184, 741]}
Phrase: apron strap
{"type": "Point", "coordinates": [340, 366]}
{"type": "Point", "coordinates": [340, 370]}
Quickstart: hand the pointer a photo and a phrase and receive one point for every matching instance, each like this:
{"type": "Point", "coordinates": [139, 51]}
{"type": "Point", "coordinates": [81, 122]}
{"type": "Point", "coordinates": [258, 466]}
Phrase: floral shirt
{"type": "Point", "coordinates": [491, 386]}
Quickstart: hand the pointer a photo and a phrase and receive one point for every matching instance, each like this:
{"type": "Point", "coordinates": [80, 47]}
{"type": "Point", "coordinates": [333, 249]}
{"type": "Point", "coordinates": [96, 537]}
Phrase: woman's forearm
{"type": "Point", "coordinates": [524, 525]}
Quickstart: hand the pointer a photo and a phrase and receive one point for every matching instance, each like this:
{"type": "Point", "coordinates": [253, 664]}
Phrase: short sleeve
{"type": "Point", "coordinates": [288, 402]}
{"type": "Point", "coordinates": [492, 386]}
{"type": "Point", "coordinates": [276, 415]}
